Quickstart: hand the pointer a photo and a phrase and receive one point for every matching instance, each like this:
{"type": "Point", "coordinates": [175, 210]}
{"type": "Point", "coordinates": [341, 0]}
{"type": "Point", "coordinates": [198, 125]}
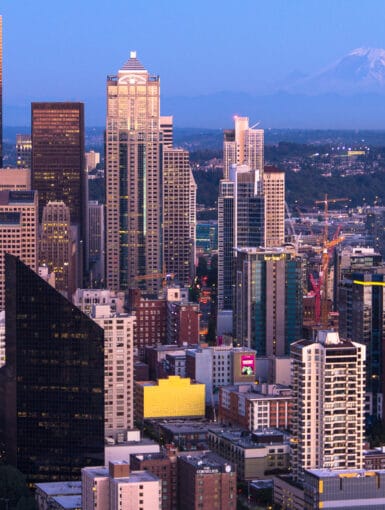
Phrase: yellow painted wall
{"type": "Point", "coordinates": [174, 397]}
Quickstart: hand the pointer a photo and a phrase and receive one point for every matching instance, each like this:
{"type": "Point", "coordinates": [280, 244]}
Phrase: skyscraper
{"type": "Point", "coordinates": [58, 168]}
{"type": "Point", "coordinates": [23, 151]}
{"type": "Point", "coordinates": [268, 300]}
{"type": "Point", "coordinates": [178, 243]}
{"type": "Point", "coordinates": [243, 145]}
{"type": "Point", "coordinates": [18, 231]}
{"type": "Point", "coordinates": [57, 249]}
{"type": "Point", "coordinates": [133, 177]}
{"type": "Point", "coordinates": [240, 224]}
{"type": "Point", "coordinates": [274, 194]}
{"type": "Point", "coordinates": [328, 380]}
{"type": "Point", "coordinates": [1, 91]}
{"type": "Point", "coordinates": [54, 405]}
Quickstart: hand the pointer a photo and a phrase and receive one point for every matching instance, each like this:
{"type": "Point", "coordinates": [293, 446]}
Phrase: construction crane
{"type": "Point", "coordinates": [320, 287]}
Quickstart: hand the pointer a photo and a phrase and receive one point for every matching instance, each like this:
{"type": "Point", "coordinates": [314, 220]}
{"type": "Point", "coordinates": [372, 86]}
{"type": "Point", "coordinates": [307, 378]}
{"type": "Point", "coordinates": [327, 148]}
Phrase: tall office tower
{"type": "Point", "coordinates": [57, 250]}
{"type": "Point", "coordinates": [58, 169]}
{"type": "Point", "coordinates": [1, 91]}
{"type": "Point", "coordinates": [23, 151]}
{"type": "Point", "coordinates": [119, 370]}
{"type": "Point", "coordinates": [193, 218]}
{"type": "Point", "coordinates": [18, 230]}
{"type": "Point", "coordinates": [274, 193]}
{"type": "Point", "coordinates": [54, 405]}
{"type": "Point", "coordinates": [268, 300]}
{"type": "Point", "coordinates": [328, 380]}
{"type": "Point", "coordinates": [178, 246]}
{"type": "Point", "coordinates": [240, 224]}
{"type": "Point", "coordinates": [225, 244]}
{"type": "Point", "coordinates": [116, 487]}
{"type": "Point", "coordinates": [361, 306]}
{"type": "Point", "coordinates": [96, 246]}
{"type": "Point", "coordinates": [243, 145]}
{"type": "Point", "coordinates": [133, 177]}
{"type": "Point", "coordinates": [167, 130]}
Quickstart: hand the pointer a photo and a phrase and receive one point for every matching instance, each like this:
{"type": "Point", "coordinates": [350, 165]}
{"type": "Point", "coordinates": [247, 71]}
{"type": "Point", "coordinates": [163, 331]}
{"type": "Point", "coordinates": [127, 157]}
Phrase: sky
{"type": "Point", "coordinates": [64, 50]}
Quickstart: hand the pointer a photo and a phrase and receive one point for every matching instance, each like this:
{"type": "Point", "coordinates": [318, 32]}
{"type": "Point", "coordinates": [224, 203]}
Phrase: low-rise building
{"type": "Point", "coordinates": [169, 398]}
{"type": "Point", "coordinates": [255, 406]}
{"type": "Point", "coordinates": [206, 482]}
{"type": "Point", "coordinates": [256, 455]}
{"type": "Point", "coordinates": [47, 493]}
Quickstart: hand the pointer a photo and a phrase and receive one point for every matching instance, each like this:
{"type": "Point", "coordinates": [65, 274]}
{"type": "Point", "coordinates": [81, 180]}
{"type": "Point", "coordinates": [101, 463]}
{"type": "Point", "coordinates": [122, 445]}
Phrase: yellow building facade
{"type": "Point", "coordinates": [173, 397]}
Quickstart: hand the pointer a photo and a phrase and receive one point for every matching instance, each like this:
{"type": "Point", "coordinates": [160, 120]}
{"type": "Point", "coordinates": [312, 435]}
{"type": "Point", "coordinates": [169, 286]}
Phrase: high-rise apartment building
{"type": "Point", "coordinates": [58, 169]}
{"type": "Point", "coordinates": [119, 370]}
{"type": "Point", "coordinates": [167, 129]}
{"type": "Point", "coordinates": [178, 244]}
{"type": "Point", "coordinates": [18, 231]}
{"type": "Point", "coordinates": [92, 160]}
{"type": "Point", "coordinates": [268, 300]}
{"type": "Point", "coordinates": [54, 398]}
{"type": "Point", "coordinates": [133, 177]}
{"type": "Point", "coordinates": [57, 249]}
{"type": "Point", "coordinates": [328, 380]}
{"type": "Point", "coordinates": [243, 145]}
{"type": "Point", "coordinates": [240, 224]}
{"type": "Point", "coordinates": [274, 195]}
{"type": "Point", "coordinates": [23, 151]}
{"type": "Point", "coordinates": [1, 91]}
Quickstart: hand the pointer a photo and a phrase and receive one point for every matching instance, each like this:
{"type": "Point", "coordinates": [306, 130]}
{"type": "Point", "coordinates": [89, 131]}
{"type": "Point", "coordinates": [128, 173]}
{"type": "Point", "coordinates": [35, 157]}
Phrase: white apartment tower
{"type": "Point", "coordinates": [243, 145]}
{"type": "Point", "coordinates": [18, 231]}
{"type": "Point", "coordinates": [328, 380]}
{"type": "Point", "coordinates": [133, 177]}
{"type": "Point", "coordinates": [118, 370]}
{"type": "Point", "coordinates": [274, 194]}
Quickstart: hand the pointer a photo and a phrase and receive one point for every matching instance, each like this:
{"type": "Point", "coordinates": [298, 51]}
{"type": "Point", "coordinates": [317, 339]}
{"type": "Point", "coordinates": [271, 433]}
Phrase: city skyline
{"type": "Point", "coordinates": [258, 49]}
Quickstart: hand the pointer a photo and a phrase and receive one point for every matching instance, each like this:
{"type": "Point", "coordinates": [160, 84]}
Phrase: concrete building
{"type": "Point", "coordinates": [220, 366]}
{"type": "Point", "coordinates": [47, 494]}
{"type": "Point", "coordinates": [15, 179]}
{"type": "Point", "coordinates": [164, 466]}
{"type": "Point", "coordinates": [257, 455]}
{"type": "Point", "coordinates": [243, 145]}
{"type": "Point", "coordinates": [178, 214]}
{"type": "Point", "coordinates": [1, 91]}
{"type": "Point", "coordinates": [116, 487]}
{"type": "Point", "coordinates": [121, 448]}
{"type": "Point", "coordinates": [96, 242]}
{"type": "Point", "coordinates": [92, 160]}
{"type": "Point", "coordinates": [255, 406]}
{"type": "Point", "coordinates": [84, 299]}
{"type": "Point", "coordinates": [186, 435]}
{"type": "Point", "coordinates": [274, 195]}
{"type": "Point", "coordinates": [206, 482]}
{"type": "Point", "coordinates": [23, 151]}
{"type": "Point", "coordinates": [156, 358]}
{"type": "Point", "coordinates": [119, 370]}
{"type": "Point", "coordinates": [328, 380]}
{"type": "Point", "coordinates": [268, 299]}
{"type": "Point", "coordinates": [166, 124]}
{"type": "Point", "coordinates": [57, 247]}
{"type": "Point", "coordinates": [133, 179]}
{"type": "Point", "coordinates": [18, 230]}
{"type": "Point", "coordinates": [169, 398]}
{"type": "Point", "coordinates": [182, 317]}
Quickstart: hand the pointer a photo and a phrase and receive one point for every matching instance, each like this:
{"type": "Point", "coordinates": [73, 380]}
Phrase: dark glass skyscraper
{"type": "Point", "coordinates": [54, 404]}
{"type": "Point", "coordinates": [1, 92]}
{"type": "Point", "coordinates": [58, 169]}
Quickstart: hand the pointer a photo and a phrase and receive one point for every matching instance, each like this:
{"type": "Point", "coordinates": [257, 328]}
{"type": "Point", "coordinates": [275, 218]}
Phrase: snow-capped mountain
{"type": "Point", "coordinates": [360, 71]}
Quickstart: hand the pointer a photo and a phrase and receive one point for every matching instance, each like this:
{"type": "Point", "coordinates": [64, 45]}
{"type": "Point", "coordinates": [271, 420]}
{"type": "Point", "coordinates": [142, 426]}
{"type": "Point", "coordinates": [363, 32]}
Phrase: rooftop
{"type": "Point", "coordinates": [133, 64]}
{"type": "Point", "coordinates": [69, 502]}
{"type": "Point", "coordinates": [60, 488]}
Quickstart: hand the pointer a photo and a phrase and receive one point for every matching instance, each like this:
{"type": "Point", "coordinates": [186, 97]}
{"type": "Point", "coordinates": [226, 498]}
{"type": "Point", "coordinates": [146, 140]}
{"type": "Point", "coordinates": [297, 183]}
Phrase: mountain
{"type": "Point", "coordinates": [360, 71]}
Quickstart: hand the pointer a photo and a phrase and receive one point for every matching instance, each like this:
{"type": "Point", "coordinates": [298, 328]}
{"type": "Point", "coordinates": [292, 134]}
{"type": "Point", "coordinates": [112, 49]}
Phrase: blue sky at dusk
{"type": "Point", "coordinates": [64, 50]}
